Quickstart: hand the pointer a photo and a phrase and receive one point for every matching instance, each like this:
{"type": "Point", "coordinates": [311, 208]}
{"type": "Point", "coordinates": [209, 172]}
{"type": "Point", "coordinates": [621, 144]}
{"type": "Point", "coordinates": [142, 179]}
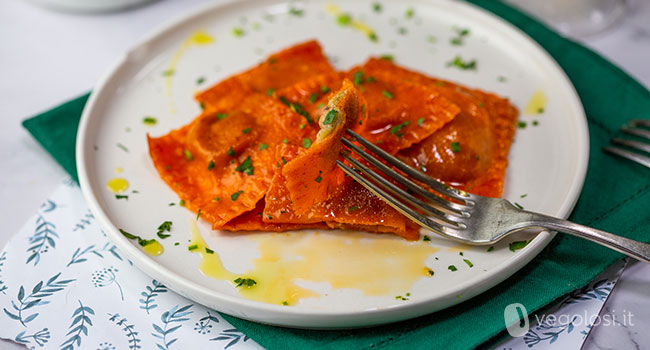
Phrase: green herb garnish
{"type": "Point", "coordinates": [270, 92]}
{"type": "Point", "coordinates": [210, 165]}
{"type": "Point", "coordinates": [387, 94]}
{"type": "Point", "coordinates": [198, 214]}
{"type": "Point", "coordinates": [469, 263]}
{"type": "Point", "coordinates": [296, 12]}
{"type": "Point", "coordinates": [409, 13]}
{"type": "Point", "coordinates": [181, 203]}
{"type": "Point", "coordinates": [165, 226]}
{"type": "Point", "coordinates": [122, 147]}
{"type": "Point", "coordinates": [221, 116]}
{"type": "Point", "coordinates": [353, 208]}
{"type": "Point", "coordinates": [237, 32]}
{"type": "Point", "coordinates": [387, 57]}
{"type": "Point", "coordinates": [313, 97]}
{"type": "Point", "coordinates": [376, 7]}
{"type": "Point", "coordinates": [344, 19]}
{"type": "Point", "coordinates": [209, 251]}
{"type": "Point", "coordinates": [319, 178]}
{"type": "Point", "coordinates": [149, 121]}
{"type": "Point", "coordinates": [329, 117]}
{"type": "Point", "coordinates": [452, 268]}
{"type": "Point", "coordinates": [193, 247]}
{"type": "Point", "coordinates": [296, 107]}
{"type": "Point", "coordinates": [231, 152]}
{"type": "Point", "coordinates": [246, 131]}
{"type": "Point", "coordinates": [518, 205]}
{"type": "Point", "coordinates": [420, 121]}
{"type": "Point", "coordinates": [490, 249]}
{"type": "Point", "coordinates": [246, 166]}
{"type": "Point", "coordinates": [464, 65]}
{"type": "Point", "coordinates": [263, 146]}
{"type": "Point", "coordinates": [244, 282]}
{"type": "Point", "coordinates": [200, 80]}
{"type": "Point", "coordinates": [521, 124]}
{"type": "Point", "coordinates": [516, 245]}
{"type": "Point", "coordinates": [358, 77]}
{"type": "Point", "coordinates": [430, 272]}
{"type": "Point", "coordinates": [306, 143]}
{"type": "Point", "coordinates": [395, 130]}
{"type": "Point", "coordinates": [121, 196]}
{"type": "Point", "coordinates": [455, 147]}
{"type": "Point", "coordinates": [235, 195]}
{"type": "Point", "coordinates": [188, 155]}
{"type": "Point", "coordinates": [324, 89]}
{"type": "Point", "coordinates": [426, 238]}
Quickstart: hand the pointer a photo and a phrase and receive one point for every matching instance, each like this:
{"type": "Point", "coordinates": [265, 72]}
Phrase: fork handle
{"type": "Point", "coordinates": [630, 247]}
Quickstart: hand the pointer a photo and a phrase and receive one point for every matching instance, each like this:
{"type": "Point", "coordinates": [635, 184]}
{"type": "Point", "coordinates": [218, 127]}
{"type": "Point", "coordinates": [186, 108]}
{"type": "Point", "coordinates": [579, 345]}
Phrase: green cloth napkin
{"type": "Point", "coordinates": [615, 198]}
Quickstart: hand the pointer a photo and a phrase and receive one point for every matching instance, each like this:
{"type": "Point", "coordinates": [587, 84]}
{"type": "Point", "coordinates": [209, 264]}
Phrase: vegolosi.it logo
{"type": "Point", "coordinates": [516, 318]}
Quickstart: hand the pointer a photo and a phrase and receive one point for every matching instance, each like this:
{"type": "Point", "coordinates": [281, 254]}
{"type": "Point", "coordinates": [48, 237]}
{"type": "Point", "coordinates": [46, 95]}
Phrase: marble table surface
{"type": "Point", "coordinates": [47, 57]}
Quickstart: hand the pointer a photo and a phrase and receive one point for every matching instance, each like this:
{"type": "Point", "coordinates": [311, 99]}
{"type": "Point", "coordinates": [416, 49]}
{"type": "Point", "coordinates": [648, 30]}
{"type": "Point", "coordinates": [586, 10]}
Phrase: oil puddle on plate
{"type": "Point", "coordinates": [376, 265]}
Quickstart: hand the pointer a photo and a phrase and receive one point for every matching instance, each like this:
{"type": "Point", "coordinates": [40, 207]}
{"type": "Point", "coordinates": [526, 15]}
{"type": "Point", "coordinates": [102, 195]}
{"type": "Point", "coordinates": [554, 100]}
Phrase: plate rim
{"type": "Point", "coordinates": [322, 319]}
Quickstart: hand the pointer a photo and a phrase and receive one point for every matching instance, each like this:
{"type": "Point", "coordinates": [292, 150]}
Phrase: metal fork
{"type": "Point", "coordinates": [467, 218]}
{"type": "Point", "coordinates": [632, 129]}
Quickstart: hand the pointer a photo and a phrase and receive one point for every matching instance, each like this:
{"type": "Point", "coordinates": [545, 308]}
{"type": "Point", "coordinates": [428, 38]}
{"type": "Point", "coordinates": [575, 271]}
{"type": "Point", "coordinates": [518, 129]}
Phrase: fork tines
{"type": "Point", "coordinates": [633, 128]}
{"type": "Point", "coordinates": [440, 212]}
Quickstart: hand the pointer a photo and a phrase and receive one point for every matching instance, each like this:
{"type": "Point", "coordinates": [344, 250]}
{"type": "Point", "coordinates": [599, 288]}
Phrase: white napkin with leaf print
{"type": "Point", "coordinates": [64, 285]}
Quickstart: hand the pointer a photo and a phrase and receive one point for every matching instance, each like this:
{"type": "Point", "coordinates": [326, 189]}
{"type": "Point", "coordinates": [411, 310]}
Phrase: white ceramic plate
{"type": "Point", "coordinates": [547, 161]}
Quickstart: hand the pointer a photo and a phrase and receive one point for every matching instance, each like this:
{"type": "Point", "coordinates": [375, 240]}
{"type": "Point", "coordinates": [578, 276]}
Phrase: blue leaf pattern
{"type": "Point", "coordinates": [204, 325]}
{"type": "Point", "coordinates": [79, 255]}
{"type": "Point", "coordinates": [48, 206]}
{"type": "Point", "coordinates": [232, 335]}
{"type": "Point", "coordinates": [131, 334]}
{"type": "Point", "coordinates": [35, 298]}
{"type": "Point", "coordinates": [81, 321]}
{"type": "Point", "coordinates": [3, 287]}
{"type": "Point", "coordinates": [151, 294]}
{"type": "Point", "coordinates": [169, 319]}
{"type": "Point", "coordinates": [40, 338]}
{"type": "Point", "coordinates": [42, 240]}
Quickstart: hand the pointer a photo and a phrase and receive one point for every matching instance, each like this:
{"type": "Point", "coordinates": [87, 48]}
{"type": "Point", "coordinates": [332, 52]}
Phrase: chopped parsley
{"type": "Point", "coordinates": [490, 249]}
{"type": "Point", "coordinates": [452, 268]}
{"type": "Point", "coordinates": [313, 97]}
{"type": "Point", "coordinates": [459, 38]}
{"type": "Point", "coordinates": [231, 152]}
{"type": "Point", "coordinates": [188, 155]}
{"type": "Point", "coordinates": [358, 77]}
{"type": "Point", "coordinates": [376, 7]}
{"type": "Point", "coordinates": [329, 117]}
{"type": "Point", "coordinates": [235, 195]}
{"type": "Point", "coordinates": [263, 146]}
{"type": "Point", "coordinates": [246, 166]}
{"type": "Point", "coordinates": [523, 195]}
{"type": "Point", "coordinates": [516, 245]}
{"type": "Point", "coordinates": [171, 204]}
{"type": "Point", "coordinates": [244, 282]}
{"type": "Point", "coordinates": [270, 92]}
{"type": "Point", "coordinates": [141, 241]}
{"type": "Point", "coordinates": [193, 247]}
{"type": "Point", "coordinates": [285, 141]}
{"type": "Point", "coordinates": [387, 94]}
{"type": "Point", "coordinates": [518, 205]}
{"type": "Point", "coordinates": [121, 196]}
{"type": "Point", "coordinates": [469, 263]}
{"type": "Point", "coordinates": [324, 89]}
{"type": "Point", "coordinates": [285, 303]}
{"type": "Point", "coordinates": [122, 147]}
{"type": "Point", "coordinates": [295, 12]}
{"type": "Point", "coordinates": [210, 165]}
{"type": "Point", "coordinates": [149, 121]}
{"type": "Point", "coordinates": [306, 143]}
{"type": "Point", "coordinates": [521, 124]}
{"type": "Point", "coordinates": [246, 131]}
{"type": "Point", "coordinates": [209, 251]}
{"type": "Point", "coordinates": [464, 65]}
{"type": "Point", "coordinates": [395, 130]}
{"type": "Point", "coordinates": [409, 13]}
{"type": "Point", "coordinates": [200, 80]}
{"type": "Point", "coordinates": [387, 57]}
{"type": "Point", "coordinates": [221, 116]}
{"type": "Point", "coordinates": [540, 110]}
{"type": "Point", "coordinates": [237, 32]}
{"type": "Point", "coordinates": [165, 226]}
{"type": "Point", "coordinates": [426, 238]}
{"type": "Point", "coordinates": [430, 272]}
{"type": "Point", "coordinates": [535, 123]}
{"type": "Point", "coordinates": [420, 121]}
{"type": "Point", "coordinates": [319, 178]}
{"type": "Point", "coordinates": [181, 203]}
{"type": "Point", "coordinates": [296, 107]}
{"type": "Point", "coordinates": [455, 147]}
{"type": "Point", "coordinates": [198, 214]}
{"type": "Point", "coordinates": [353, 208]}
{"type": "Point", "coordinates": [344, 19]}
{"type": "Point", "coordinates": [284, 161]}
